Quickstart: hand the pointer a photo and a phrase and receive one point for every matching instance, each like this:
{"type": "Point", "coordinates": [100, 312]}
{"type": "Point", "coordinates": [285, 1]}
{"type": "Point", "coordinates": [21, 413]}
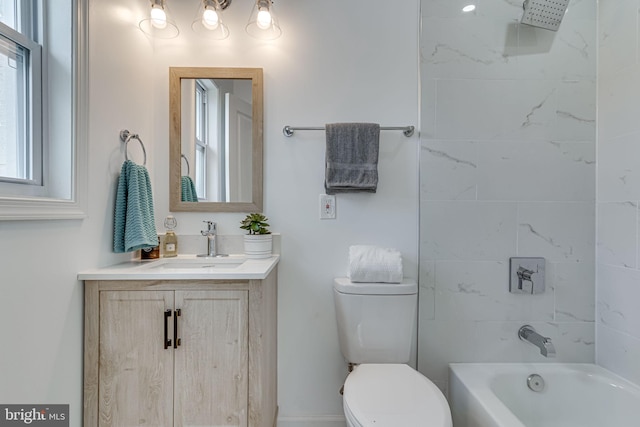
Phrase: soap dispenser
{"type": "Point", "coordinates": [170, 239]}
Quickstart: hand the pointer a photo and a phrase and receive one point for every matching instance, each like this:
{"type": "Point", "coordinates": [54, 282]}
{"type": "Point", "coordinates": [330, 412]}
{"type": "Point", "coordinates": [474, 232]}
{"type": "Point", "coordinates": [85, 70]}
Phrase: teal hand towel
{"type": "Point", "coordinates": [134, 225]}
{"type": "Point", "coordinates": [188, 190]}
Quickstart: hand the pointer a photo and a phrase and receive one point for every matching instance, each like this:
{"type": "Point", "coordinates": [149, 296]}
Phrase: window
{"type": "Point", "coordinates": [42, 77]}
{"type": "Point", "coordinates": [20, 99]}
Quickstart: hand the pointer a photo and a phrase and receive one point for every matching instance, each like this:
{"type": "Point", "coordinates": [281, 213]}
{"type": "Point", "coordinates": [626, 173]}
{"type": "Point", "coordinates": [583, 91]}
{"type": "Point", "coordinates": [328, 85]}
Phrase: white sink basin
{"type": "Point", "coordinates": [198, 263]}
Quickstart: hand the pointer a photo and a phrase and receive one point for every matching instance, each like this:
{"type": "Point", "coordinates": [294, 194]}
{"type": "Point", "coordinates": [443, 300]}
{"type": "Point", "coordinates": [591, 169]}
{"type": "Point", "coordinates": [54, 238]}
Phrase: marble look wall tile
{"type": "Point", "coordinates": [568, 54]}
{"type": "Point", "coordinates": [491, 43]}
{"type": "Point", "coordinates": [448, 170]}
{"type": "Point", "coordinates": [509, 10]}
{"type": "Point", "coordinates": [536, 171]}
{"type": "Point", "coordinates": [619, 353]}
{"type": "Point", "coordinates": [509, 109]}
{"type": "Point", "coordinates": [618, 281]}
{"type": "Point", "coordinates": [617, 103]}
{"type": "Point", "coordinates": [444, 342]}
{"type": "Point", "coordinates": [617, 234]}
{"type": "Point", "coordinates": [582, 9]}
{"type": "Point", "coordinates": [469, 48]}
{"type": "Point", "coordinates": [511, 171]}
{"type": "Point", "coordinates": [507, 169]}
{"type": "Point", "coordinates": [618, 172]}
{"type": "Point", "coordinates": [445, 9]}
{"type": "Point", "coordinates": [573, 285]}
{"type": "Point", "coordinates": [428, 107]}
{"type": "Point", "coordinates": [426, 291]}
{"type": "Point", "coordinates": [489, 109]}
{"type": "Point", "coordinates": [618, 296]}
{"type": "Point", "coordinates": [480, 291]}
{"type": "Point", "coordinates": [617, 35]}
{"type": "Point", "coordinates": [559, 232]}
{"type": "Point", "coordinates": [467, 230]}
{"type": "Point", "coordinates": [575, 111]}
{"type": "Point", "coordinates": [486, 109]}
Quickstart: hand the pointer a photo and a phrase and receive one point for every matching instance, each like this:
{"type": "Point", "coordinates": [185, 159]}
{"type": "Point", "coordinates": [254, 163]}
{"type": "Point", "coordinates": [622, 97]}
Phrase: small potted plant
{"type": "Point", "coordinates": [258, 242]}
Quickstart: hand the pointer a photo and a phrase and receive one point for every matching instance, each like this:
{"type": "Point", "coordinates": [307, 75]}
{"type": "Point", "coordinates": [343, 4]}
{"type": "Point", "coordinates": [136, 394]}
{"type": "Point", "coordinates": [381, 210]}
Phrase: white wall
{"type": "Point", "coordinates": [336, 61]}
{"type": "Point", "coordinates": [327, 67]}
{"type": "Point", "coordinates": [618, 286]}
{"type": "Point", "coordinates": [507, 169]}
{"type": "Point", "coordinates": [41, 316]}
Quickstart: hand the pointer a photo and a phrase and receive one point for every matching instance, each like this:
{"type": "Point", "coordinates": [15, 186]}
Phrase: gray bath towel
{"type": "Point", "coordinates": [352, 157]}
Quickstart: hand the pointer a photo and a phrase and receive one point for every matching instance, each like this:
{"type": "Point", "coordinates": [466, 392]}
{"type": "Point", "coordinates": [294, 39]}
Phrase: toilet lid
{"type": "Point", "coordinates": [345, 286]}
{"type": "Point", "coordinates": [393, 395]}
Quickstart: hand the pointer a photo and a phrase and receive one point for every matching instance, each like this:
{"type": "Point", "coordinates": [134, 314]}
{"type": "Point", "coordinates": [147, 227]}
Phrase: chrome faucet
{"type": "Point", "coordinates": [527, 333]}
{"type": "Point", "coordinates": [210, 234]}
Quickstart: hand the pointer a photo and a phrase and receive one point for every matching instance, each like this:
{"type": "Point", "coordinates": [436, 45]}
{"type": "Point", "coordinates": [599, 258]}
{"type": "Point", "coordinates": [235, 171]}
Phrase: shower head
{"type": "Point", "coordinates": [544, 13]}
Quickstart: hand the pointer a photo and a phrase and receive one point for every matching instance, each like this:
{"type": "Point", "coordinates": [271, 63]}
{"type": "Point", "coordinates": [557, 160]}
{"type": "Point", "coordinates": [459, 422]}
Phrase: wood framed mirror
{"type": "Point", "coordinates": [215, 139]}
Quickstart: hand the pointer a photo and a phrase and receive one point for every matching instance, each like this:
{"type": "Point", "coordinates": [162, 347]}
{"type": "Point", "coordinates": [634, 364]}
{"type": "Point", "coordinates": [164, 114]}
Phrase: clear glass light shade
{"type": "Point", "coordinates": [263, 23]}
{"type": "Point", "coordinates": [159, 23]}
{"type": "Point", "coordinates": [208, 22]}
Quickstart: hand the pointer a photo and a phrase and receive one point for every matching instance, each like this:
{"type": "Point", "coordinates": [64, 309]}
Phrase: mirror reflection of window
{"type": "Point", "coordinates": [209, 174]}
{"type": "Point", "coordinates": [201, 139]}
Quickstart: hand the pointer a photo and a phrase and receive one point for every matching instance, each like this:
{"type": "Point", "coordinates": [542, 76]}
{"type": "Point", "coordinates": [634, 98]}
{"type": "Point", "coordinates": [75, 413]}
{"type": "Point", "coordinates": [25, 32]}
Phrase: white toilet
{"type": "Point", "coordinates": [376, 323]}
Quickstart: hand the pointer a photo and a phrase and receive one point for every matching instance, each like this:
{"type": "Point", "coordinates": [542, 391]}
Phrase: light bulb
{"type": "Point", "coordinates": [263, 21]}
{"type": "Point", "coordinates": [210, 18]}
{"type": "Point", "coordinates": [158, 17]}
{"type": "Point", "coordinates": [469, 8]}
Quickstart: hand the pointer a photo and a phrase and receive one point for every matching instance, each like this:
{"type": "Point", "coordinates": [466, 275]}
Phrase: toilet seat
{"type": "Point", "coordinates": [393, 395]}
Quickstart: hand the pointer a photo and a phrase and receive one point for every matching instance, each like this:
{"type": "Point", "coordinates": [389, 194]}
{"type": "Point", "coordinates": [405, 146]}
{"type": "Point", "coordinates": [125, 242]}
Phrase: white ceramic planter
{"type": "Point", "coordinates": [258, 245]}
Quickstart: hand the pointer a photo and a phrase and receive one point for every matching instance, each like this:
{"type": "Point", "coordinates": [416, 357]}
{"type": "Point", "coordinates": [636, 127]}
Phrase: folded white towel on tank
{"type": "Point", "coordinates": [374, 264]}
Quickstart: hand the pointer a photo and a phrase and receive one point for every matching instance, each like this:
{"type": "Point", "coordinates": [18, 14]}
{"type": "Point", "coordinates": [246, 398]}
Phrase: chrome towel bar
{"type": "Point", "coordinates": [406, 130]}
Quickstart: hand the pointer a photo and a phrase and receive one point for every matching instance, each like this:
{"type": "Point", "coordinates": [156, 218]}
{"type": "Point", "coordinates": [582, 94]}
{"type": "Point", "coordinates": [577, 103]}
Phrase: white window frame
{"type": "Point", "coordinates": [42, 203]}
{"type": "Point", "coordinates": [32, 185]}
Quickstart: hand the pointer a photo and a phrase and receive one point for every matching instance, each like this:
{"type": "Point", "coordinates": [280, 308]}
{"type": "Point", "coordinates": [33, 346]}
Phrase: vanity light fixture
{"type": "Point", "coordinates": [208, 22]}
{"type": "Point", "coordinates": [159, 23]}
{"type": "Point", "coordinates": [263, 23]}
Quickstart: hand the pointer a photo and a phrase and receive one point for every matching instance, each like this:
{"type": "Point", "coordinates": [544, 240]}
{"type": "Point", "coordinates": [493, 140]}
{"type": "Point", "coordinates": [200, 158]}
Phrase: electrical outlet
{"type": "Point", "coordinates": [327, 206]}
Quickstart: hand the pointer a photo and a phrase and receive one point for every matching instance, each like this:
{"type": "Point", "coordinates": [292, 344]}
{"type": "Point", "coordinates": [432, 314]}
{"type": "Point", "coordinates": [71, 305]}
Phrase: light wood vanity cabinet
{"type": "Point", "coordinates": [219, 364]}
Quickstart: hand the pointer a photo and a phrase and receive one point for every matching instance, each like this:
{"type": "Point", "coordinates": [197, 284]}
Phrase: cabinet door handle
{"type": "Point", "coordinates": [176, 341]}
{"type": "Point", "coordinates": [167, 341]}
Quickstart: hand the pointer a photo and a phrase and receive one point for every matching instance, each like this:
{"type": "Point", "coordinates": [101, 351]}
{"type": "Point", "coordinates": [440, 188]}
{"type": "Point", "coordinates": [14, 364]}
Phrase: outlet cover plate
{"type": "Point", "coordinates": [327, 206]}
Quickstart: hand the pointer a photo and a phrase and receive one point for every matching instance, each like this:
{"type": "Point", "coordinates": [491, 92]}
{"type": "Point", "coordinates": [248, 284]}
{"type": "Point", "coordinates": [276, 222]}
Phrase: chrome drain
{"type": "Point", "coordinates": [535, 382]}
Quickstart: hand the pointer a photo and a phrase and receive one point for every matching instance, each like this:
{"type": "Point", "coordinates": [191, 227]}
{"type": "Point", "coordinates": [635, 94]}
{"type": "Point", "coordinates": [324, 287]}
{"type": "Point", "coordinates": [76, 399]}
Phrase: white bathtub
{"type": "Point", "coordinates": [575, 395]}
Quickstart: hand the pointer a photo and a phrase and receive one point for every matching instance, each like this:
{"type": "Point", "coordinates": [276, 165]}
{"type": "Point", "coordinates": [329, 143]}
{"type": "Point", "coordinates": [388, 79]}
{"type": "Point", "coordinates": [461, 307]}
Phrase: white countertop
{"type": "Point", "coordinates": [186, 267]}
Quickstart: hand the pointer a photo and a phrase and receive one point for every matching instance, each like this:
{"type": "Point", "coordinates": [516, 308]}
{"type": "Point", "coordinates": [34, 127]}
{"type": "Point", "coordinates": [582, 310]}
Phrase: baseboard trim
{"type": "Point", "coordinates": [319, 421]}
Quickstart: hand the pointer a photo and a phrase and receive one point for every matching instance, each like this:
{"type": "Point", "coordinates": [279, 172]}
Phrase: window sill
{"type": "Point", "coordinates": [18, 209]}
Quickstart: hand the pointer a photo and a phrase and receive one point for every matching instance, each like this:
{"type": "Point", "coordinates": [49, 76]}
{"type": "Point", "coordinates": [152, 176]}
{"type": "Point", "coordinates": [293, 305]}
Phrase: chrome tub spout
{"type": "Point", "coordinates": [527, 333]}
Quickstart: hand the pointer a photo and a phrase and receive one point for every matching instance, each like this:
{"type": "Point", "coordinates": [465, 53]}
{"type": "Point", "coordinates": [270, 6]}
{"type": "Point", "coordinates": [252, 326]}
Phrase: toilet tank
{"type": "Point", "coordinates": [376, 321]}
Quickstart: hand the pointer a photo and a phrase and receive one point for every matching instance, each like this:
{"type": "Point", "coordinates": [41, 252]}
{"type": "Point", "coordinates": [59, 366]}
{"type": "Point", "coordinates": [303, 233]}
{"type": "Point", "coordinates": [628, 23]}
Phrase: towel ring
{"type": "Point", "coordinates": [187, 162]}
{"type": "Point", "coordinates": [126, 136]}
